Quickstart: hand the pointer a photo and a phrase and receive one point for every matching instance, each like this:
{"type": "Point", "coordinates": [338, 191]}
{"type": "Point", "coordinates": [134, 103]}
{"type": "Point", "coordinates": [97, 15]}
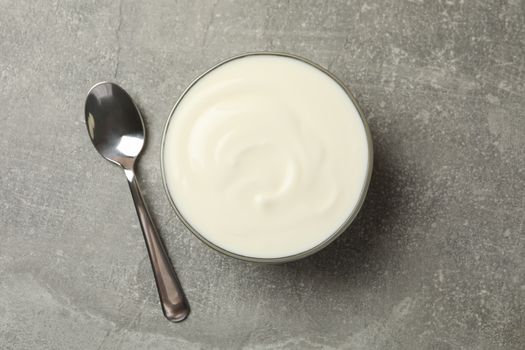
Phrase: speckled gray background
{"type": "Point", "coordinates": [436, 260]}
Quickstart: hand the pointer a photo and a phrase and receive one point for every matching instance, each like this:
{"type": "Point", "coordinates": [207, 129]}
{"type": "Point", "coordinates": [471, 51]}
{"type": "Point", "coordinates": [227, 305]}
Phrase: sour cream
{"type": "Point", "coordinates": [266, 156]}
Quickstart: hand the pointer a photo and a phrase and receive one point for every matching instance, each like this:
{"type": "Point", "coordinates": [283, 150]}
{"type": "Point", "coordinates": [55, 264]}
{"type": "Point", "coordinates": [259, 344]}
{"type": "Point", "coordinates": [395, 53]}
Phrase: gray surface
{"type": "Point", "coordinates": [435, 260]}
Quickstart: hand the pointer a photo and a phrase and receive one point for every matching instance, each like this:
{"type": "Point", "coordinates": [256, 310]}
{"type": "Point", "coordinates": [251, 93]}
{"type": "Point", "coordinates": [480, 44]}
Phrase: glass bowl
{"type": "Point", "coordinates": [329, 239]}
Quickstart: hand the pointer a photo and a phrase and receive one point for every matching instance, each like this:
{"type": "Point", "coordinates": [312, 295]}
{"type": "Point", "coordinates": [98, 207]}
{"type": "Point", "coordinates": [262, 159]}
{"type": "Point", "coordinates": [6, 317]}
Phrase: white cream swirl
{"type": "Point", "coordinates": [265, 162]}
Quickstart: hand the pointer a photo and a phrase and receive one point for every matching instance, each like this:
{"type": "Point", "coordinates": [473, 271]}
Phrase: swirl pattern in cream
{"type": "Point", "coordinates": [266, 156]}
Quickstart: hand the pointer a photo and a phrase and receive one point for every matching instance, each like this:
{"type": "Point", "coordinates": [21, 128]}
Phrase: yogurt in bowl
{"type": "Point", "coordinates": [266, 157]}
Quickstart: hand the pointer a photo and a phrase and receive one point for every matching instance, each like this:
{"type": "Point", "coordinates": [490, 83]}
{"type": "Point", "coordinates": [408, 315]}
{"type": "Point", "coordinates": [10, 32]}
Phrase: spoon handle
{"type": "Point", "coordinates": [174, 304]}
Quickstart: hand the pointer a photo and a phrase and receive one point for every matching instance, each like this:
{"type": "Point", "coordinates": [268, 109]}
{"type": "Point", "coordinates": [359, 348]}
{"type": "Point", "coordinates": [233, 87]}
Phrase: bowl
{"type": "Point", "coordinates": [351, 215]}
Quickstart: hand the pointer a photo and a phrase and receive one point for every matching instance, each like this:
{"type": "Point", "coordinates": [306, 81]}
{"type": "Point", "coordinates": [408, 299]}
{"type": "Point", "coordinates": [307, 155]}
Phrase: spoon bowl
{"type": "Point", "coordinates": [115, 124]}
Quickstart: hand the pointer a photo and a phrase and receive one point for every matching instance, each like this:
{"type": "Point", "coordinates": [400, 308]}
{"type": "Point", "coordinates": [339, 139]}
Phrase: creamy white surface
{"type": "Point", "coordinates": [266, 156]}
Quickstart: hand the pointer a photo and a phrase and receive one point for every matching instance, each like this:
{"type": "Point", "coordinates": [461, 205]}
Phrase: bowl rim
{"type": "Point", "coordinates": [352, 215]}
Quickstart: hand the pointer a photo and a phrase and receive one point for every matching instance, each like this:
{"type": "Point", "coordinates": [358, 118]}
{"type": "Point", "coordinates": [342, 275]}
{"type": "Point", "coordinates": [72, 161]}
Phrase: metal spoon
{"type": "Point", "coordinates": [116, 129]}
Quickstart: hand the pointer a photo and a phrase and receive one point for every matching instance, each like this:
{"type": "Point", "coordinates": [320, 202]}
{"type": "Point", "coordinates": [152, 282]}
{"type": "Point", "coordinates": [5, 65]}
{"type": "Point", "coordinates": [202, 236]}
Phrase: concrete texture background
{"type": "Point", "coordinates": [436, 259]}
